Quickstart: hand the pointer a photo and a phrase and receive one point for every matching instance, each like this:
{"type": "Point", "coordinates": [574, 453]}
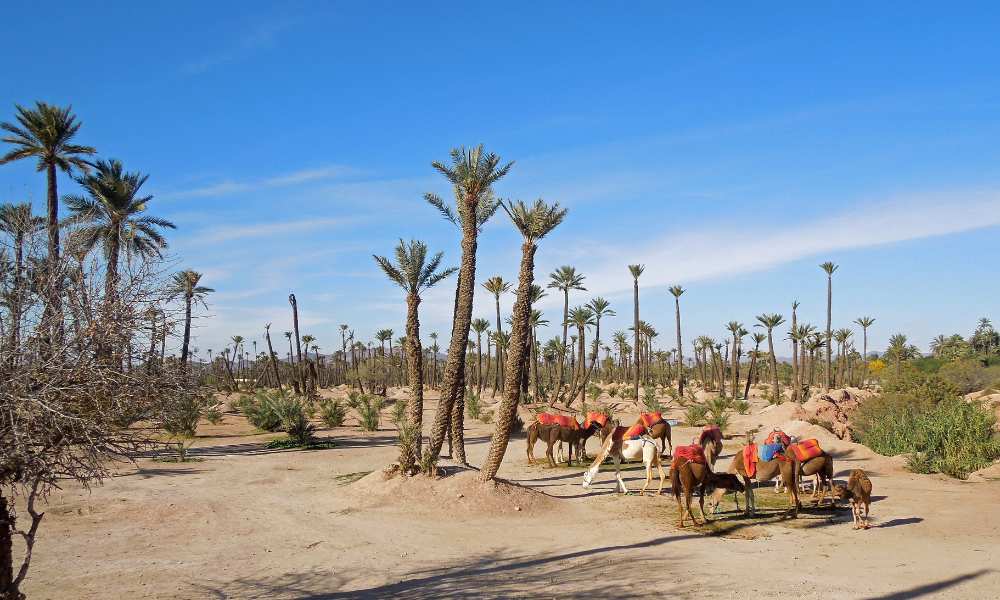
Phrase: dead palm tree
{"type": "Point", "coordinates": [185, 285]}
{"type": "Point", "coordinates": [479, 326]}
{"type": "Point", "coordinates": [472, 174]}
{"type": "Point", "coordinates": [534, 223]}
{"type": "Point", "coordinates": [829, 268]}
{"type": "Point", "coordinates": [112, 214]}
{"type": "Point", "coordinates": [636, 271]}
{"type": "Point", "coordinates": [414, 273]}
{"type": "Point", "coordinates": [565, 278]}
{"type": "Point", "coordinates": [770, 321]}
{"type": "Point", "coordinates": [736, 328]}
{"type": "Point", "coordinates": [865, 323]}
{"type": "Point", "coordinates": [497, 286]}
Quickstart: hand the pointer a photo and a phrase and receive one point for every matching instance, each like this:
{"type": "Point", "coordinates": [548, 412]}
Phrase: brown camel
{"type": "Point", "coordinates": [784, 465]}
{"type": "Point", "coordinates": [710, 441]}
{"type": "Point", "coordinates": [859, 492]}
{"type": "Point", "coordinates": [687, 476]}
{"type": "Point", "coordinates": [539, 431]}
{"type": "Point", "coordinates": [822, 467]}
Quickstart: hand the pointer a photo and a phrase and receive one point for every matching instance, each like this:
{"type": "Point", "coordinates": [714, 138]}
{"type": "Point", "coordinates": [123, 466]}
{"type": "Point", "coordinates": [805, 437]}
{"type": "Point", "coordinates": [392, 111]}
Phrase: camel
{"type": "Point", "coordinates": [687, 476]}
{"type": "Point", "coordinates": [619, 448]}
{"type": "Point", "coordinates": [785, 465]}
{"type": "Point", "coordinates": [544, 431]}
{"type": "Point", "coordinates": [710, 441]}
{"type": "Point", "coordinates": [820, 468]}
{"type": "Point", "coordinates": [859, 492]}
{"type": "Point", "coordinates": [656, 427]}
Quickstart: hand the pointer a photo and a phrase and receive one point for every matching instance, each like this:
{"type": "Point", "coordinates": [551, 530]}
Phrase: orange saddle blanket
{"type": "Point", "coordinates": [711, 432]}
{"type": "Point", "coordinates": [778, 437]}
{"type": "Point", "coordinates": [650, 419]}
{"type": "Point", "coordinates": [750, 459]}
{"type": "Point", "coordinates": [600, 419]}
{"type": "Point", "coordinates": [561, 420]}
{"type": "Point", "coordinates": [806, 449]}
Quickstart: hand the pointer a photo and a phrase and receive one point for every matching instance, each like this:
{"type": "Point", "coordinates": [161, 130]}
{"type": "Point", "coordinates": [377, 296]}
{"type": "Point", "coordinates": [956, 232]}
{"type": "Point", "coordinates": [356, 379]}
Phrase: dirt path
{"type": "Point", "coordinates": [246, 522]}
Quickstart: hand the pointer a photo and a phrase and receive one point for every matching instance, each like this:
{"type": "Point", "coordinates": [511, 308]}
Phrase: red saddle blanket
{"type": "Point", "coordinates": [711, 432]}
{"type": "Point", "coordinates": [600, 419]}
{"type": "Point", "coordinates": [778, 437]}
{"type": "Point", "coordinates": [628, 433]}
{"type": "Point", "coordinates": [806, 449]}
{"type": "Point", "coordinates": [561, 420]}
{"type": "Point", "coordinates": [692, 453]}
{"type": "Point", "coordinates": [750, 459]}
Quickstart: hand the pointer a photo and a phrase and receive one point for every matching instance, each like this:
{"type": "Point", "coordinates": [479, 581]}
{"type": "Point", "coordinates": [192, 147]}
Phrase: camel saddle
{"type": "Point", "coordinates": [650, 419]}
{"type": "Point", "coordinates": [560, 420]}
{"type": "Point", "coordinates": [711, 432]}
{"type": "Point", "coordinates": [768, 452]}
{"type": "Point", "coordinates": [778, 437]}
{"type": "Point", "coordinates": [693, 453]}
{"type": "Point", "coordinates": [806, 449]}
{"type": "Point", "coordinates": [600, 419]}
{"type": "Point", "coordinates": [628, 433]}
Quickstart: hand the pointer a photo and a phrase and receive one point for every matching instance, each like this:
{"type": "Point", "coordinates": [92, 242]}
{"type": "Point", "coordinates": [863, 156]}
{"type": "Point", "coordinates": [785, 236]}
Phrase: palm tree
{"type": "Point", "coordinates": [565, 278]}
{"type": "Point", "coordinates": [829, 268]}
{"type": "Point", "coordinates": [865, 323]}
{"type": "Point", "coordinates": [736, 328]}
{"type": "Point", "coordinates": [580, 317]}
{"type": "Point", "coordinates": [112, 215]}
{"type": "Point", "coordinates": [796, 382]}
{"type": "Point", "coordinates": [676, 292]}
{"type": "Point", "coordinates": [17, 221]}
{"type": "Point", "coordinates": [770, 321]}
{"type": "Point", "coordinates": [472, 174]}
{"type": "Point", "coordinates": [841, 336]}
{"type": "Point", "coordinates": [479, 326]}
{"type": "Point", "coordinates": [497, 286]}
{"type": "Point", "coordinates": [46, 133]}
{"type": "Point", "coordinates": [636, 271]}
{"type": "Point", "coordinates": [185, 285]}
{"type": "Point", "coordinates": [301, 377]}
{"type": "Point", "coordinates": [758, 339]}
{"type": "Point", "coordinates": [601, 308]}
{"type": "Point", "coordinates": [898, 350]}
{"type": "Point", "coordinates": [534, 223]}
{"type": "Point", "coordinates": [414, 273]}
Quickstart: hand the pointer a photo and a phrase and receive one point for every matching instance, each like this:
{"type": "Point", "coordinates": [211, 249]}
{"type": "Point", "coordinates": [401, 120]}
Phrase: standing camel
{"type": "Point", "coordinates": [619, 448]}
{"type": "Point", "coordinates": [785, 465]}
{"type": "Point", "coordinates": [690, 471]}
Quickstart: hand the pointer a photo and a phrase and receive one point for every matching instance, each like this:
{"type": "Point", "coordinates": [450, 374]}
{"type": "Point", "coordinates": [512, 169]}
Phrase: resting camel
{"type": "Point", "coordinates": [618, 448]}
{"type": "Point", "coordinates": [785, 465]}
{"type": "Point", "coordinates": [688, 475]}
{"type": "Point", "coordinates": [859, 492]}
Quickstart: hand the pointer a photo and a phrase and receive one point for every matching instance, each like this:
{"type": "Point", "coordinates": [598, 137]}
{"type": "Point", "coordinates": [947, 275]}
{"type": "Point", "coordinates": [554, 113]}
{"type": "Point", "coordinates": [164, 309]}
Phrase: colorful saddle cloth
{"type": "Point", "coordinates": [561, 420]}
{"type": "Point", "coordinates": [650, 419]}
{"type": "Point", "coordinates": [628, 433]}
{"type": "Point", "coordinates": [778, 437]}
{"type": "Point", "coordinates": [750, 459]}
{"type": "Point", "coordinates": [806, 449]}
{"type": "Point", "coordinates": [767, 452]}
{"type": "Point", "coordinates": [692, 453]}
{"type": "Point", "coordinates": [595, 418]}
{"type": "Point", "coordinates": [711, 432]}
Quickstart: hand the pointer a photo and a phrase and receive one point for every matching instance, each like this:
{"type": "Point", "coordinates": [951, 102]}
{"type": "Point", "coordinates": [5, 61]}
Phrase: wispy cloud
{"type": "Point", "coordinates": [715, 252]}
{"type": "Point", "coordinates": [227, 233]}
{"type": "Point", "coordinates": [226, 188]}
{"type": "Point", "coordinates": [252, 40]}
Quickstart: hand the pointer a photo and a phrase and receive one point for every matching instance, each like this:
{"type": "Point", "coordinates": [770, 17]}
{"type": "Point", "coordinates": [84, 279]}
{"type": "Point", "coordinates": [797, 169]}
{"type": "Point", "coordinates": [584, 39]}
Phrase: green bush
{"type": "Point", "coordinates": [967, 375]}
{"type": "Point", "coordinates": [720, 420]}
{"type": "Point", "coordinates": [181, 415]}
{"type": "Point", "coordinates": [293, 419]}
{"type": "Point", "coordinates": [473, 406]}
{"type": "Point", "coordinates": [370, 411]}
{"type": "Point", "coordinates": [650, 401]}
{"type": "Point", "coordinates": [741, 406]}
{"type": "Point", "coordinates": [260, 411]}
{"type": "Point", "coordinates": [695, 414]}
{"type": "Point", "coordinates": [594, 392]}
{"type": "Point", "coordinates": [399, 412]}
{"type": "Point", "coordinates": [718, 405]}
{"type": "Point", "coordinates": [332, 413]}
{"type": "Point", "coordinates": [925, 417]}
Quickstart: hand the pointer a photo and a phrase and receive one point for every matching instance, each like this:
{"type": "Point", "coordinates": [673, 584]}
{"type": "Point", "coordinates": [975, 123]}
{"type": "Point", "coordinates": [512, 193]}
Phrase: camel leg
{"type": "Point", "coordinates": [548, 453]}
{"type": "Point", "coordinates": [663, 475]}
{"type": "Point", "coordinates": [748, 483]}
{"type": "Point", "coordinates": [701, 505]}
{"type": "Point", "coordinates": [865, 522]}
{"type": "Point", "coordinates": [649, 474]}
{"type": "Point", "coordinates": [532, 438]}
{"type": "Point", "coordinates": [688, 491]}
{"type": "Point", "coordinates": [569, 460]}
{"type": "Point", "coordinates": [680, 509]}
{"type": "Point", "coordinates": [618, 474]}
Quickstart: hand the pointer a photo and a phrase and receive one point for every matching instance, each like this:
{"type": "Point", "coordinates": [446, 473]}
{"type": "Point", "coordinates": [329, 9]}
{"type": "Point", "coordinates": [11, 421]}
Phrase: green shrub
{"type": "Point", "coordinates": [925, 417]}
{"type": "Point", "coordinates": [260, 411]}
{"type": "Point", "coordinates": [741, 406]}
{"type": "Point", "coordinates": [695, 414]}
{"type": "Point", "coordinates": [650, 401]}
{"type": "Point", "coordinates": [293, 419]}
{"type": "Point", "coordinates": [332, 413]}
{"type": "Point", "coordinates": [399, 412]}
{"type": "Point", "coordinates": [718, 405]}
{"type": "Point", "coordinates": [213, 415]}
{"type": "Point", "coordinates": [181, 414]}
{"type": "Point", "coordinates": [721, 420]}
{"type": "Point", "coordinates": [369, 411]}
{"type": "Point", "coordinates": [966, 376]}
{"type": "Point", "coordinates": [473, 406]}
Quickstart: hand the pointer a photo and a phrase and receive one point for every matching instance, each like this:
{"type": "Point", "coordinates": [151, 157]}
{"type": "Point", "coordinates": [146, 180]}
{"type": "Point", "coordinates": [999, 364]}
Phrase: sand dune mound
{"type": "Point", "coordinates": [457, 490]}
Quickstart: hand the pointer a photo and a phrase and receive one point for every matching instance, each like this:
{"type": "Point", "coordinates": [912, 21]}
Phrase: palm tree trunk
{"type": "Point", "coordinates": [680, 353]}
{"type": "Point", "coordinates": [272, 358]}
{"type": "Point", "coordinates": [635, 305]}
{"type": "Point", "coordinates": [774, 367]}
{"type": "Point", "coordinates": [796, 383]}
{"type": "Point", "coordinates": [187, 329]}
{"type": "Point", "coordinates": [829, 325]}
{"type": "Point", "coordinates": [864, 372]}
{"type": "Point", "coordinates": [415, 367]}
{"type": "Point", "coordinates": [516, 361]}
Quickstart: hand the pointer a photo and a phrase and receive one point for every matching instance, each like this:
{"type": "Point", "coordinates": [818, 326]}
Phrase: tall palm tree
{"type": "Point", "coordinates": [898, 350]}
{"type": "Point", "coordinates": [414, 273]}
{"type": "Point", "coordinates": [17, 221]}
{"type": "Point", "coordinates": [770, 321]}
{"type": "Point", "coordinates": [841, 336]}
{"type": "Point", "coordinates": [736, 328]}
{"type": "Point", "coordinates": [601, 308]}
{"type": "Point", "coordinates": [534, 223]}
{"type": "Point", "coordinates": [497, 286]}
{"type": "Point", "coordinates": [472, 174]}
{"type": "Point", "coordinates": [479, 326]}
{"type": "Point", "coordinates": [565, 278]}
{"type": "Point", "coordinates": [865, 323]}
{"type": "Point", "coordinates": [186, 285]}
{"type": "Point", "coordinates": [758, 339]}
{"type": "Point", "coordinates": [45, 133]}
{"type": "Point", "coordinates": [636, 271]}
{"type": "Point", "coordinates": [829, 268]}
{"type": "Point", "coordinates": [112, 214]}
{"type": "Point", "coordinates": [580, 317]}
{"type": "Point", "coordinates": [676, 292]}
{"type": "Point", "coordinates": [796, 382]}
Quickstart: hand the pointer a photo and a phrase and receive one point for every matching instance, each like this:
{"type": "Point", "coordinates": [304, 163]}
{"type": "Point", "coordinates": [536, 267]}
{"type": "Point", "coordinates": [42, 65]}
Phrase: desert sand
{"type": "Point", "coordinates": [242, 521]}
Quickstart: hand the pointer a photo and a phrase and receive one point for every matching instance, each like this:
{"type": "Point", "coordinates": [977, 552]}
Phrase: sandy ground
{"type": "Point", "coordinates": [246, 522]}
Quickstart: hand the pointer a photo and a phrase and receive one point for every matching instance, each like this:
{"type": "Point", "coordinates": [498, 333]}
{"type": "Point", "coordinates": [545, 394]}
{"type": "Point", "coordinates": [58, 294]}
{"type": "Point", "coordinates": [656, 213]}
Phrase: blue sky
{"type": "Point", "coordinates": [731, 149]}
